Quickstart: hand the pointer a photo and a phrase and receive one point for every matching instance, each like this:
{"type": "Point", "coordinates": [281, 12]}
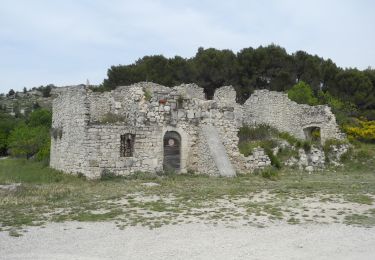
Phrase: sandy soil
{"type": "Point", "coordinates": [76, 240]}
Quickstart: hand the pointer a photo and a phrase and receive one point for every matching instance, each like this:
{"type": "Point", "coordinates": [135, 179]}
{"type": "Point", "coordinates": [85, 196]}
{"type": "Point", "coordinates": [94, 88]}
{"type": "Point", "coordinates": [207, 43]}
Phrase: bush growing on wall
{"type": "Point", "coordinates": [302, 93]}
{"type": "Point", "coordinates": [260, 132]}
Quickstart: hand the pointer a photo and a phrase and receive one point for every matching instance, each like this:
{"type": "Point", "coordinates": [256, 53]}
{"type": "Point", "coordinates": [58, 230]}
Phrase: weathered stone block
{"type": "Point", "coordinates": [228, 115]}
{"type": "Point", "coordinates": [181, 113]}
{"type": "Point", "coordinates": [93, 163]}
{"type": "Point", "coordinates": [190, 114]}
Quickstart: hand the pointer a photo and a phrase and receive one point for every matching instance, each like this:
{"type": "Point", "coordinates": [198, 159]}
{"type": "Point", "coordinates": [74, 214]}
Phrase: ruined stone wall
{"type": "Point", "coordinates": [99, 104]}
{"type": "Point", "coordinates": [123, 102]}
{"type": "Point", "coordinates": [103, 148]}
{"type": "Point", "coordinates": [69, 120]}
{"type": "Point", "coordinates": [277, 110]}
{"type": "Point", "coordinates": [225, 97]}
{"type": "Point", "coordinates": [91, 142]}
{"type": "Point", "coordinates": [89, 145]}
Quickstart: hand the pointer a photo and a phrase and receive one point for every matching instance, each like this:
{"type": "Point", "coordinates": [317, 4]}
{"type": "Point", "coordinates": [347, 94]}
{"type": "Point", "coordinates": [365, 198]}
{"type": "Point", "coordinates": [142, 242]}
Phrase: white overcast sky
{"type": "Point", "coordinates": [66, 42]}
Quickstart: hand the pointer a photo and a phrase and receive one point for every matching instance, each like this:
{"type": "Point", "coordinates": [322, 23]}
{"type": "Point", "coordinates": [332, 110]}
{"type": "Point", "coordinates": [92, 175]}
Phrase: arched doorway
{"type": "Point", "coordinates": [172, 151]}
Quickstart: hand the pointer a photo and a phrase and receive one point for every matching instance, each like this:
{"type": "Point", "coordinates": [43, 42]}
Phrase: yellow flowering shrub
{"type": "Point", "coordinates": [364, 130]}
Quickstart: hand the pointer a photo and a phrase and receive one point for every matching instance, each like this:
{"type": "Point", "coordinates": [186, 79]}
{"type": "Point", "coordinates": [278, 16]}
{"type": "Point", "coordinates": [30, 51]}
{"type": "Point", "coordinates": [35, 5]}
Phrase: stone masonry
{"type": "Point", "coordinates": [149, 127]}
{"type": "Point", "coordinates": [277, 110]}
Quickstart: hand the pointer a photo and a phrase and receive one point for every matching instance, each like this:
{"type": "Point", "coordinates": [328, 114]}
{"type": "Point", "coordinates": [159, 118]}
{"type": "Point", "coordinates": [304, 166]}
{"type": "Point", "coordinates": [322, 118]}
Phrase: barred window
{"type": "Point", "coordinates": [127, 145]}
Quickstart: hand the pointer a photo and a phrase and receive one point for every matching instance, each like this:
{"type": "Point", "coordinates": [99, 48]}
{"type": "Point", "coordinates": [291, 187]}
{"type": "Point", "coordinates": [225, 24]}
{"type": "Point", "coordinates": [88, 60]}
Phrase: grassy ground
{"type": "Point", "coordinates": [341, 195]}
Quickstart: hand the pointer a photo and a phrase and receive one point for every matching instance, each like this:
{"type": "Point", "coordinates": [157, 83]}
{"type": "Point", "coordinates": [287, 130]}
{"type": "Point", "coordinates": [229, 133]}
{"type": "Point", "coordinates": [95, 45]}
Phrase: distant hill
{"type": "Point", "coordinates": [22, 103]}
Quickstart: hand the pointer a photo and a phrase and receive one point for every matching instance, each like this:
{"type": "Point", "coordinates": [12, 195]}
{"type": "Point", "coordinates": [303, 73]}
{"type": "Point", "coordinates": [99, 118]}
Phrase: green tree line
{"type": "Point", "coordinates": [269, 67]}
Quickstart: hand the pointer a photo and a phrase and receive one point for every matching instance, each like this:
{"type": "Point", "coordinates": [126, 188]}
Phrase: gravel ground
{"type": "Point", "coordinates": [78, 240]}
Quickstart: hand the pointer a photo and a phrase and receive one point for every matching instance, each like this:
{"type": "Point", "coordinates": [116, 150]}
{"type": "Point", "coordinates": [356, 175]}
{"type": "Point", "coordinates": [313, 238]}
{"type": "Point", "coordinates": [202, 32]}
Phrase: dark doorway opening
{"type": "Point", "coordinates": [312, 134]}
{"type": "Point", "coordinates": [172, 151]}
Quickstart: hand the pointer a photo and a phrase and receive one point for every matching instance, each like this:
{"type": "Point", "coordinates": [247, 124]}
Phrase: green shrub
{"type": "Point", "coordinates": [286, 153]}
{"type": "Point", "coordinates": [7, 124]}
{"type": "Point", "coordinates": [287, 137]}
{"type": "Point", "coordinates": [27, 141]}
{"type": "Point", "coordinates": [274, 159]}
{"type": "Point", "coordinates": [343, 110]}
{"type": "Point", "coordinates": [302, 93]}
{"type": "Point", "coordinates": [259, 132]}
{"type": "Point", "coordinates": [43, 154]}
{"type": "Point", "coordinates": [266, 137]}
{"type": "Point", "coordinates": [3, 142]}
{"type": "Point", "coordinates": [148, 95]}
{"type": "Point", "coordinates": [40, 117]}
{"type": "Point", "coordinates": [246, 148]}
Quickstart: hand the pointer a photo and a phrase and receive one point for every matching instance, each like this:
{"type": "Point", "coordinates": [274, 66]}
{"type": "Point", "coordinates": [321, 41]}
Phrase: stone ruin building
{"type": "Point", "coordinates": [148, 127]}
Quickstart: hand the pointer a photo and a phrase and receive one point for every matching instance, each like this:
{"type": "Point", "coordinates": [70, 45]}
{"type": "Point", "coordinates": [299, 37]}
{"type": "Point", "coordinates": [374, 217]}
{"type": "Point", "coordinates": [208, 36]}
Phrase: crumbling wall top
{"type": "Point", "coordinates": [225, 96]}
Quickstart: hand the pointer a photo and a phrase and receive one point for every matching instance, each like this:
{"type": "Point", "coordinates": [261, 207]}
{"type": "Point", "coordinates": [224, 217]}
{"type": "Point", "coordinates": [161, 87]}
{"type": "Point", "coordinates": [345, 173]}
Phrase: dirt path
{"type": "Point", "coordinates": [78, 240]}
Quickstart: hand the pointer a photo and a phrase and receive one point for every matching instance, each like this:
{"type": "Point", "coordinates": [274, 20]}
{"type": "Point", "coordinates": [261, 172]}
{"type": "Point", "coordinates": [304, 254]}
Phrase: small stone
{"type": "Point", "coordinates": [261, 164]}
{"type": "Point", "coordinates": [10, 187]}
{"type": "Point", "coordinates": [117, 105]}
{"type": "Point", "coordinates": [198, 114]}
{"type": "Point", "coordinates": [181, 113]}
{"type": "Point", "coordinates": [228, 115]}
{"type": "Point", "coordinates": [150, 184]}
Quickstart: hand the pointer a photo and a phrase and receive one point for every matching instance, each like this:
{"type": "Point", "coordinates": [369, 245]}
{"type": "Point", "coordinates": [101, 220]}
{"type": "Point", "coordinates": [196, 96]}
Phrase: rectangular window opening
{"type": "Point", "coordinates": [127, 145]}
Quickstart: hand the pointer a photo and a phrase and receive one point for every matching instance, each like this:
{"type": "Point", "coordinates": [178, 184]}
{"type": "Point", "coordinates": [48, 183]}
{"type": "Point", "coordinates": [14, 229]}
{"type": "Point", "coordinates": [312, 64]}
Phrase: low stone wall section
{"type": "Point", "coordinates": [277, 110]}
